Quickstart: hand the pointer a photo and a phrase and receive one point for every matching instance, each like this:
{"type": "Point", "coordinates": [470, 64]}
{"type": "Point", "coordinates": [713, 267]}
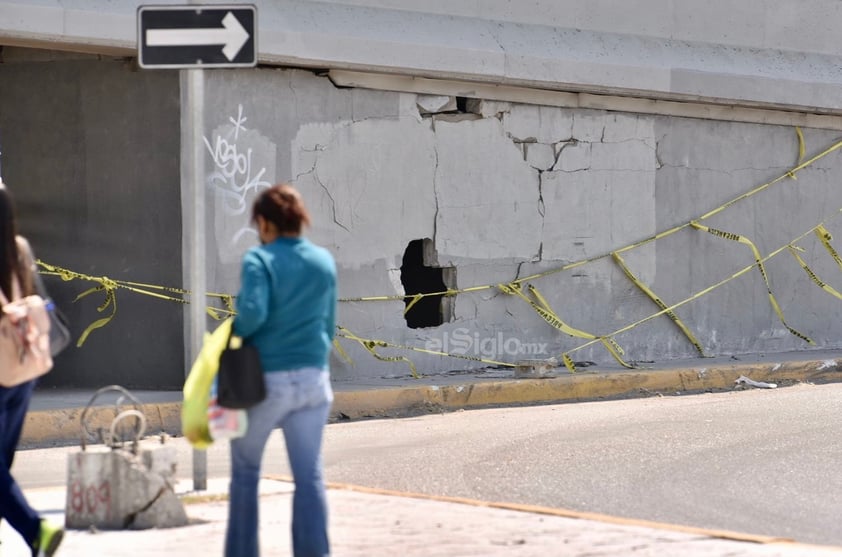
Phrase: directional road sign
{"type": "Point", "coordinates": [197, 36]}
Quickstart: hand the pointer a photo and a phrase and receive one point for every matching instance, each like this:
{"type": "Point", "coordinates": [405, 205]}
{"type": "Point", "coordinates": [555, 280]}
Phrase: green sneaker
{"type": "Point", "coordinates": [49, 538]}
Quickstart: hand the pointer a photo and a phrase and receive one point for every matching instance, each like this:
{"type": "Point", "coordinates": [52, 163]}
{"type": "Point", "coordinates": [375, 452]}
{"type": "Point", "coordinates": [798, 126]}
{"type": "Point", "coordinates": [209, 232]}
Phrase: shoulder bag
{"type": "Point", "coordinates": [240, 381]}
{"type": "Point", "coordinates": [24, 340]}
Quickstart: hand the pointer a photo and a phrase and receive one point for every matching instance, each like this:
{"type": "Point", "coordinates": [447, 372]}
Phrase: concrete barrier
{"type": "Point", "coordinates": [115, 489]}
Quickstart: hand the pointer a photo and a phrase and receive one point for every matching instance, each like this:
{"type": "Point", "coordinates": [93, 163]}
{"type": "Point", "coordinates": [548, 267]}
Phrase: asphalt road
{"type": "Point", "coordinates": [756, 461]}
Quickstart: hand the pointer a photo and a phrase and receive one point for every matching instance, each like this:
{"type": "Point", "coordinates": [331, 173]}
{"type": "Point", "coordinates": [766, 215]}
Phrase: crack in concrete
{"type": "Point", "coordinates": [496, 37]}
{"type": "Point", "coordinates": [728, 171]}
{"type": "Point", "coordinates": [658, 163]}
{"type": "Point", "coordinates": [311, 171]}
{"type": "Point", "coordinates": [572, 142]}
{"type": "Point", "coordinates": [127, 523]}
{"type": "Point", "coordinates": [292, 90]}
{"type": "Point", "coordinates": [435, 193]}
{"type": "Point", "coordinates": [332, 200]}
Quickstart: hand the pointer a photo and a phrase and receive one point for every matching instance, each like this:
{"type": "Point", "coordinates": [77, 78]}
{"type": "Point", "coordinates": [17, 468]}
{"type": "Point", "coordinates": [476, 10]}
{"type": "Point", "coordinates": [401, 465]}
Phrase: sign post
{"type": "Point", "coordinates": [193, 81]}
{"type": "Point", "coordinates": [191, 38]}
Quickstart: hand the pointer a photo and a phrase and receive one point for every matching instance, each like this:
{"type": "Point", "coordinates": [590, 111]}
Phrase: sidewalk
{"type": "Point", "coordinates": [372, 523]}
{"type": "Point", "coordinates": [54, 414]}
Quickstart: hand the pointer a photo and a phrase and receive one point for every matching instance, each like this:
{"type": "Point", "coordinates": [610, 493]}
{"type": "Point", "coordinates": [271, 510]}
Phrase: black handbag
{"type": "Point", "coordinates": [239, 383]}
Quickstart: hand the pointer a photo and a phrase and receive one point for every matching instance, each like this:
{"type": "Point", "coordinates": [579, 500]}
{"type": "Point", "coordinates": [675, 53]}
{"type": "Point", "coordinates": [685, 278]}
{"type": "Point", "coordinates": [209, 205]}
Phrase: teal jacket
{"type": "Point", "coordinates": [286, 306]}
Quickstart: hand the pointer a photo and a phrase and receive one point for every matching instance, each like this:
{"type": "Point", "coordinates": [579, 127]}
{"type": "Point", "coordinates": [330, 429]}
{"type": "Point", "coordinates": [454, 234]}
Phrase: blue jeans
{"type": "Point", "coordinates": [14, 402]}
{"type": "Point", "coordinates": [298, 402]}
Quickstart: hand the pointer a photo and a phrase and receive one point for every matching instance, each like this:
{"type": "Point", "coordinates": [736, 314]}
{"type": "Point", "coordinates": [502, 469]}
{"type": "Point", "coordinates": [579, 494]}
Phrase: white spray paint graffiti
{"type": "Point", "coordinates": [243, 159]}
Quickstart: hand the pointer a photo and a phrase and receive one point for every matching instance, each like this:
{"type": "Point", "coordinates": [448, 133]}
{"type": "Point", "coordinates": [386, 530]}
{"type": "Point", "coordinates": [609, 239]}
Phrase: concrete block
{"type": "Point", "coordinates": [536, 369]}
{"type": "Point", "coordinates": [542, 124]}
{"type": "Point", "coordinates": [369, 185]}
{"type": "Point", "coordinates": [625, 127]}
{"type": "Point", "coordinates": [573, 157]}
{"type": "Point", "coordinates": [488, 196]}
{"type": "Point", "coordinates": [588, 125]}
{"type": "Point", "coordinates": [539, 155]}
{"type": "Point", "coordinates": [430, 104]}
{"type": "Point", "coordinates": [628, 156]}
{"type": "Point", "coordinates": [589, 210]}
{"type": "Point", "coordinates": [457, 117]}
{"type": "Point", "coordinates": [488, 109]}
{"type": "Point", "coordinates": [162, 461]}
{"type": "Point", "coordinates": [118, 490]}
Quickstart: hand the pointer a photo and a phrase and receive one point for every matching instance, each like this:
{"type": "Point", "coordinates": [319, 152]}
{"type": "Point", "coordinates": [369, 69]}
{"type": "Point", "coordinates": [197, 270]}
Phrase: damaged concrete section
{"type": "Point", "coordinates": [118, 490]}
{"type": "Point", "coordinates": [431, 104]}
{"type": "Point", "coordinates": [374, 178]}
{"type": "Point", "coordinates": [488, 197]}
{"type": "Point", "coordinates": [601, 190]}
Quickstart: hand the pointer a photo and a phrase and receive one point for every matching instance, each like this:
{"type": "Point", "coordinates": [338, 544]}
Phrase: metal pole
{"type": "Point", "coordinates": [194, 97]}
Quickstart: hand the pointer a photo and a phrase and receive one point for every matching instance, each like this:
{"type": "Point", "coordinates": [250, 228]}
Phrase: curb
{"type": "Point", "coordinates": [49, 428]}
{"type": "Point", "coordinates": [62, 427]}
{"type": "Point", "coordinates": [579, 387]}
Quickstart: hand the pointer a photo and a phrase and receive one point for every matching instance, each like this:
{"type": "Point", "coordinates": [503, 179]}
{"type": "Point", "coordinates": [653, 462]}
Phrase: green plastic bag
{"type": "Point", "coordinates": [197, 387]}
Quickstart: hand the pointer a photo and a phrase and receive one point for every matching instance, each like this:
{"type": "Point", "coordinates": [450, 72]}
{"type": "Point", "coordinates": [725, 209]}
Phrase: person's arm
{"type": "Point", "coordinates": [253, 299]}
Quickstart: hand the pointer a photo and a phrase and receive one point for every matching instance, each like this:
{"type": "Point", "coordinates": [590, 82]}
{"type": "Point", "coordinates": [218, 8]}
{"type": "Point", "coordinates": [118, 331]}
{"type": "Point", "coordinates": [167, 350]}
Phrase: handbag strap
{"type": "Point", "coordinates": [270, 274]}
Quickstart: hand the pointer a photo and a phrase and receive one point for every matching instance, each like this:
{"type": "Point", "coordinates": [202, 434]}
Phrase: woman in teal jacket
{"type": "Point", "coordinates": [286, 308]}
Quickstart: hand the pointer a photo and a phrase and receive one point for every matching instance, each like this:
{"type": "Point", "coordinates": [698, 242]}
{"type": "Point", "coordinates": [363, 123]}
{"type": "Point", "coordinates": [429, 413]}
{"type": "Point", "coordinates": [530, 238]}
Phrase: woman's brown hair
{"type": "Point", "coordinates": [281, 205]}
{"type": "Point", "coordinates": [11, 259]}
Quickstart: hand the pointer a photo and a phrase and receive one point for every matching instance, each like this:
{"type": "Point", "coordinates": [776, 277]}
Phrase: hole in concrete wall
{"type": "Point", "coordinates": [420, 276]}
{"type": "Point", "coordinates": [462, 104]}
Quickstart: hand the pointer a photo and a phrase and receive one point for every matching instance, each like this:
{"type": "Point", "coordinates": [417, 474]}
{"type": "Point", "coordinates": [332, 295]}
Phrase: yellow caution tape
{"type": "Point", "coordinates": [341, 351]}
{"type": "Point", "coordinates": [110, 300]}
{"type": "Point", "coordinates": [825, 238]}
{"type": "Point", "coordinates": [610, 344]}
{"type": "Point", "coordinates": [823, 285]}
{"type": "Point", "coordinates": [543, 309]}
{"type": "Point", "coordinates": [646, 290]}
{"type": "Point", "coordinates": [759, 263]}
{"type": "Point", "coordinates": [802, 146]}
{"type": "Point", "coordinates": [704, 291]}
{"type": "Point", "coordinates": [414, 301]}
{"type": "Point", "coordinates": [371, 344]}
{"type": "Point", "coordinates": [110, 286]}
{"type": "Point", "coordinates": [802, 150]}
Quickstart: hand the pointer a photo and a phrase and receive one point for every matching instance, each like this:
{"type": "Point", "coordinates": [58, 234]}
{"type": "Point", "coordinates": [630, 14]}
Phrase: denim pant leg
{"type": "Point", "coordinates": [303, 435]}
{"type": "Point", "coordinates": [14, 508]}
{"type": "Point", "coordinates": [241, 537]}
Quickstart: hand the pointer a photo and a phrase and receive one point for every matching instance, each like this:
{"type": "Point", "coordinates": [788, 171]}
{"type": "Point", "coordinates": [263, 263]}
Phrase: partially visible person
{"type": "Point", "coordinates": [16, 281]}
{"type": "Point", "coordinates": [286, 308]}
